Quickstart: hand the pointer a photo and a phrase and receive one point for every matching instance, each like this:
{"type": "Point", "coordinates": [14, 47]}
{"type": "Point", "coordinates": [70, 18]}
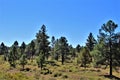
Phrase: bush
{"type": "Point", "coordinates": [65, 76]}
{"type": "Point", "coordinates": [27, 69]}
{"type": "Point", "coordinates": [57, 74]}
{"type": "Point", "coordinates": [70, 70]}
{"type": "Point", "coordinates": [46, 71]}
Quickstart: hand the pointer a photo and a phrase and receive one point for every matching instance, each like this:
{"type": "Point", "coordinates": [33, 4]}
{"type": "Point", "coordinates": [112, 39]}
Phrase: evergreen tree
{"type": "Point", "coordinates": [90, 42]}
{"type": "Point", "coordinates": [43, 42]}
{"type": "Point", "coordinates": [53, 42]}
{"type": "Point", "coordinates": [22, 48]}
{"type": "Point", "coordinates": [15, 50]}
{"type": "Point", "coordinates": [107, 33]}
{"type": "Point", "coordinates": [72, 51]}
{"type": "Point", "coordinates": [56, 50]}
{"type": "Point", "coordinates": [4, 51]}
{"type": "Point", "coordinates": [53, 46]}
{"type": "Point", "coordinates": [116, 50]}
{"type": "Point", "coordinates": [40, 60]}
{"type": "Point", "coordinates": [98, 54]}
{"type": "Point", "coordinates": [78, 48]}
{"type": "Point", "coordinates": [32, 49]}
{"type": "Point", "coordinates": [16, 43]}
{"type": "Point", "coordinates": [12, 57]}
{"type": "Point", "coordinates": [85, 57]}
{"type": "Point", "coordinates": [23, 60]}
{"type": "Point", "coordinates": [43, 45]}
{"type": "Point", "coordinates": [63, 48]}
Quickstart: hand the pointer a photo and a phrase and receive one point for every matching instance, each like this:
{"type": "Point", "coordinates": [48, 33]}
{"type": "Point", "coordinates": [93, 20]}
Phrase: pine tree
{"type": "Point", "coordinates": [107, 33]}
{"type": "Point", "coordinates": [40, 60]}
{"type": "Point", "coordinates": [78, 48]}
{"type": "Point", "coordinates": [72, 51]}
{"type": "Point", "coordinates": [53, 46]}
{"type": "Point", "coordinates": [32, 49]}
{"type": "Point", "coordinates": [63, 45]}
{"type": "Point", "coordinates": [12, 57]}
{"type": "Point", "coordinates": [15, 50]}
{"type": "Point", "coordinates": [23, 57]}
{"type": "Point", "coordinates": [23, 60]}
{"type": "Point", "coordinates": [43, 43]}
{"type": "Point", "coordinates": [86, 58]}
{"type": "Point", "coordinates": [4, 51]}
{"type": "Point", "coordinates": [22, 48]}
{"type": "Point", "coordinates": [90, 42]}
{"type": "Point", "coordinates": [56, 50]}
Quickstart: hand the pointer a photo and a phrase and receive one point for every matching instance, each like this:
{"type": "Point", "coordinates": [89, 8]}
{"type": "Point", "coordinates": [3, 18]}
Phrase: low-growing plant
{"type": "Point", "coordinates": [57, 74]}
{"type": "Point", "coordinates": [65, 76]}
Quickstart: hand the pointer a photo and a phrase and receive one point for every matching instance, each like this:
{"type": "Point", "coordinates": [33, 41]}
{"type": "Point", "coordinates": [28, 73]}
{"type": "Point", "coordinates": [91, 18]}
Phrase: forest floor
{"type": "Point", "coordinates": [53, 70]}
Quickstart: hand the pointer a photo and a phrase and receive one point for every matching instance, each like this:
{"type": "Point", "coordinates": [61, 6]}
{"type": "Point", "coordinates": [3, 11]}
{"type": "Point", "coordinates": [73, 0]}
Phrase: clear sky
{"type": "Point", "coordinates": [21, 19]}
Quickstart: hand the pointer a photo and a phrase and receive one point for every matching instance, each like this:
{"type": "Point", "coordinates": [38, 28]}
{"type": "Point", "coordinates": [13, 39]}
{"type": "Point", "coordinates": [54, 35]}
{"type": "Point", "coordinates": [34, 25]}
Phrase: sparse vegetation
{"type": "Point", "coordinates": [62, 61]}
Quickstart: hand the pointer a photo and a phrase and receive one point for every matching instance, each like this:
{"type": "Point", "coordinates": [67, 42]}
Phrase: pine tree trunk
{"type": "Point", "coordinates": [23, 67]}
{"type": "Point", "coordinates": [111, 65]}
{"type": "Point", "coordinates": [110, 59]}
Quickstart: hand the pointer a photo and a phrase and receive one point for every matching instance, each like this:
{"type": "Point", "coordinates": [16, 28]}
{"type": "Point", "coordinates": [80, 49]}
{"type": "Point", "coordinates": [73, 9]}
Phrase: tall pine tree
{"type": "Point", "coordinates": [63, 47]}
{"type": "Point", "coordinates": [107, 33]}
{"type": "Point", "coordinates": [90, 42]}
{"type": "Point", "coordinates": [43, 44]}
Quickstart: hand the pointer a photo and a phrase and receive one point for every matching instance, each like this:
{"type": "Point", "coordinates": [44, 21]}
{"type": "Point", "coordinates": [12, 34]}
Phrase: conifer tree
{"type": "Point", "coordinates": [91, 42]}
{"type": "Point", "coordinates": [86, 58]}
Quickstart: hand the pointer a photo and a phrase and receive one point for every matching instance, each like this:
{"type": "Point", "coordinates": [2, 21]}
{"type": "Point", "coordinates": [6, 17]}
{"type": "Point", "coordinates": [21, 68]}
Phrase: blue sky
{"type": "Point", "coordinates": [21, 19]}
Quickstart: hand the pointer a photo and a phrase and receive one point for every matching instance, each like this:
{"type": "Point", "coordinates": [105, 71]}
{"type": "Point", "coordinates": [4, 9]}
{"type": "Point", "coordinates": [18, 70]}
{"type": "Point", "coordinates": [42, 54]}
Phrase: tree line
{"type": "Point", "coordinates": [105, 50]}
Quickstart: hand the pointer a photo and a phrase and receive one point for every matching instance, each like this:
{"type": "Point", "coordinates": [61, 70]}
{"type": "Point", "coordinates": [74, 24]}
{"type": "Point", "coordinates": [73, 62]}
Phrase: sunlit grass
{"type": "Point", "coordinates": [52, 71]}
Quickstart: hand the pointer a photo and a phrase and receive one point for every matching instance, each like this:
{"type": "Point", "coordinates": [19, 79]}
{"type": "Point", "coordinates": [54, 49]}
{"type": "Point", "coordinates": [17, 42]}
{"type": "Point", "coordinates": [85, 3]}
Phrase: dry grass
{"type": "Point", "coordinates": [53, 71]}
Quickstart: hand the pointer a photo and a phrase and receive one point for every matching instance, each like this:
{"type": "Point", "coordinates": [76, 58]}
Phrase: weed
{"type": "Point", "coordinates": [57, 74]}
{"type": "Point", "coordinates": [65, 76]}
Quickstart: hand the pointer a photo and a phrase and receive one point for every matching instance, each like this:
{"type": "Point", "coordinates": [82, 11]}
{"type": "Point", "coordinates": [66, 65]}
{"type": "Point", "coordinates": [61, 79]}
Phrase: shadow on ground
{"type": "Point", "coordinates": [112, 77]}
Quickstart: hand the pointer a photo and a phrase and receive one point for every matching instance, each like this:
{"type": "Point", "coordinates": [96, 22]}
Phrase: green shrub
{"type": "Point", "coordinates": [70, 70]}
{"type": "Point", "coordinates": [65, 76]}
{"type": "Point", "coordinates": [57, 74]}
{"type": "Point", "coordinates": [46, 71]}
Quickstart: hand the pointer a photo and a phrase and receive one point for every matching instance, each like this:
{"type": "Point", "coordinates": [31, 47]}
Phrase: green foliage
{"type": "Point", "coordinates": [23, 60]}
{"type": "Point", "coordinates": [105, 51]}
{"type": "Point", "coordinates": [12, 57]}
{"type": "Point", "coordinates": [32, 49]}
{"type": "Point", "coordinates": [4, 51]}
{"type": "Point", "coordinates": [72, 51]}
{"type": "Point", "coordinates": [57, 74]}
{"type": "Point", "coordinates": [14, 76]}
{"type": "Point", "coordinates": [78, 48]}
{"type": "Point", "coordinates": [85, 57]}
{"type": "Point", "coordinates": [91, 42]}
{"type": "Point", "coordinates": [46, 71]}
{"type": "Point", "coordinates": [63, 47]}
{"type": "Point", "coordinates": [40, 60]}
{"type": "Point", "coordinates": [65, 76]}
{"type": "Point", "coordinates": [97, 54]}
{"type": "Point", "coordinates": [22, 48]}
{"type": "Point", "coordinates": [107, 33]}
{"type": "Point", "coordinates": [56, 50]}
{"type": "Point", "coordinates": [43, 43]}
